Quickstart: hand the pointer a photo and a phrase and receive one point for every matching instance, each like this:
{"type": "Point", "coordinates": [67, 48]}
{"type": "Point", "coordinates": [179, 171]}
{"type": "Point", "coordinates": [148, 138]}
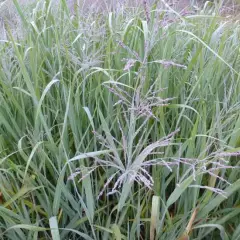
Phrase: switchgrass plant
{"type": "Point", "coordinates": [120, 125]}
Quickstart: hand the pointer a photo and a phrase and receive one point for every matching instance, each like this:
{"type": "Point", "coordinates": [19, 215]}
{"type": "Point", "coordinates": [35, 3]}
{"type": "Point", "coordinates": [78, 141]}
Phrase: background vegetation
{"type": "Point", "coordinates": [120, 125]}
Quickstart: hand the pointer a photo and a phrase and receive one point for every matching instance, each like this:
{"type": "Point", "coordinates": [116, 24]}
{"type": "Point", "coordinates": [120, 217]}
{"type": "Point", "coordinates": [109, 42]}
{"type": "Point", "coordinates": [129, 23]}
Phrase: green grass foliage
{"type": "Point", "coordinates": [120, 125]}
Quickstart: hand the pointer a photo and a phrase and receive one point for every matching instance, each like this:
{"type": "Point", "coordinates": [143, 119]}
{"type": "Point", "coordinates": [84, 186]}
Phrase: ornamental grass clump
{"type": "Point", "coordinates": [119, 125]}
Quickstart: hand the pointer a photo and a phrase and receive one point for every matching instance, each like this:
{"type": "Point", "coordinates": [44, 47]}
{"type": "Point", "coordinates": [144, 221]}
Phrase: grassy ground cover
{"type": "Point", "coordinates": [120, 125]}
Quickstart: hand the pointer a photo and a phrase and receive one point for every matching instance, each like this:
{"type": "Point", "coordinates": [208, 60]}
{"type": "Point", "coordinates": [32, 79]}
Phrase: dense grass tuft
{"type": "Point", "coordinates": [119, 125]}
